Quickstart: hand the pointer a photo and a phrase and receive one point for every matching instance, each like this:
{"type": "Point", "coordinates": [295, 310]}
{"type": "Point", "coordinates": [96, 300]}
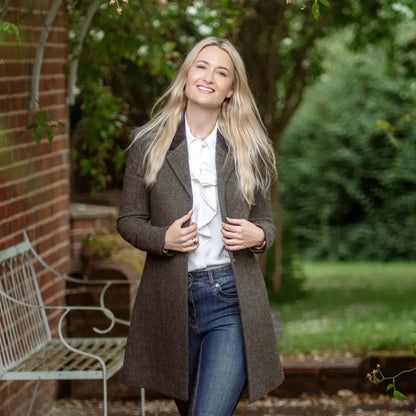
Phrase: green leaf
{"type": "Point", "coordinates": [414, 352]}
{"type": "Point", "coordinates": [324, 2]}
{"type": "Point", "coordinates": [389, 387]}
{"type": "Point", "coordinates": [42, 118]}
{"type": "Point", "coordinates": [37, 136]}
{"type": "Point", "coordinates": [16, 32]}
{"type": "Point", "coordinates": [383, 125]}
{"type": "Point", "coordinates": [315, 11]}
{"type": "Point", "coordinates": [85, 165]}
{"type": "Point", "coordinates": [10, 29]}
{"type": "Point", "coordinates": [32, 126]}
{"type": "Point", "coordinates": [398, 395]}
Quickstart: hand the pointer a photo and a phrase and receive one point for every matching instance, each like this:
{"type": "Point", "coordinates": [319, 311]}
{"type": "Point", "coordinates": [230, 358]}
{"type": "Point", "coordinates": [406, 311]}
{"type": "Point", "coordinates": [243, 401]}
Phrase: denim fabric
{"type": "Point", "coordinates": [217, 369]}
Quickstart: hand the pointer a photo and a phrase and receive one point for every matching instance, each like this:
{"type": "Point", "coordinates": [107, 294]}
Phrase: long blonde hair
{"type": "Point", "coordinates": [239, 122]}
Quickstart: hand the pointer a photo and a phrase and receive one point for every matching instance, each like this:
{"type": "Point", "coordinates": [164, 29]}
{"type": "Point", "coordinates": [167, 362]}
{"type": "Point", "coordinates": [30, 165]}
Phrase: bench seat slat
{"type": "Point", "coordinates": [55, 361]}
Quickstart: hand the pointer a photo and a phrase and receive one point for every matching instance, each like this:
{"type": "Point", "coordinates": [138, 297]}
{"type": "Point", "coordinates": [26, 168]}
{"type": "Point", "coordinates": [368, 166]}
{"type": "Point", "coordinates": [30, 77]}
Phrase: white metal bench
{"type": "Point", "coordinates": [27, 349]}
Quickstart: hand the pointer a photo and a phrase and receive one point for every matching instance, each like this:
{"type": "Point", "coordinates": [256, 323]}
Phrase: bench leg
{"type": "Point", "coordinates": [32, 402]}
{"type": "Point", "coordinates": [105, 396]}
{"type": "Point", "coordinates": [142, 401]}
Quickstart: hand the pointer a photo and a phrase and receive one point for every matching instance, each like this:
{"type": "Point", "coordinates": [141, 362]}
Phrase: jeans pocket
{"type": "Point", "coordinates": [226, 291]}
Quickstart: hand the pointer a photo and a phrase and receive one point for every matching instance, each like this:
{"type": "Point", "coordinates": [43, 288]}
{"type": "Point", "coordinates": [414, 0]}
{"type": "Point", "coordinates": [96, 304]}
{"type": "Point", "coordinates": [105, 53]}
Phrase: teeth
{"type": "Point", "coordinates": [205, 89]}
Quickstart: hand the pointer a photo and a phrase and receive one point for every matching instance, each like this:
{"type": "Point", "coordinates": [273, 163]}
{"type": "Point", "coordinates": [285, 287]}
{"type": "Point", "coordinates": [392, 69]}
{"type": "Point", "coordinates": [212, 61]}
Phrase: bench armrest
{"type": "Point", "coordinates": [106, 283]}
{"type": "Point", "coordinates": [107, 312]}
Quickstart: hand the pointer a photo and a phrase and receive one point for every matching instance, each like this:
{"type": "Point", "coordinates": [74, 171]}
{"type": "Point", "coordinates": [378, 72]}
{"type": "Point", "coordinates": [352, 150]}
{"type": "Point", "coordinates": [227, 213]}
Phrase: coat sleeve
{"type": "Point", "coordinates": [261, 215]}
{"type": "Point", "coordinates": [134, 221]}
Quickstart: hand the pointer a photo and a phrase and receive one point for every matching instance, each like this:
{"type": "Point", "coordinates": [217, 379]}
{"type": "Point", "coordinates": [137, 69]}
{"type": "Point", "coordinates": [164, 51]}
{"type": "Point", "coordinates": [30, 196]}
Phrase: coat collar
{"type": "Point", "coordinates": [177, 157]}
{"type": "Point", "coordinates": [180, 136]}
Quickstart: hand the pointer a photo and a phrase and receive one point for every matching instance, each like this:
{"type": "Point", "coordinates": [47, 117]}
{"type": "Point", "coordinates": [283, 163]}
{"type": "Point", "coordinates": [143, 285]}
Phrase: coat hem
{"type": "Point", "coordinates": [149, 386]}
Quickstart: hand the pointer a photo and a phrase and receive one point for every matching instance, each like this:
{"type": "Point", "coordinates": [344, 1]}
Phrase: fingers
{"type": "Point", "coordinates": [239, 234]}
{"type": "Point", "coordinates": [233, 228]}
{"type": "Point", "coordinates": [190, 242]}
{"type": "Point", "coordinates": [235, 221]}
{"type": "Point", "coordinates": [180, 238]}
{"type": "Point", "coordinates": [232, 234]}
{"type": "Point", "coordinates": [182, 220]}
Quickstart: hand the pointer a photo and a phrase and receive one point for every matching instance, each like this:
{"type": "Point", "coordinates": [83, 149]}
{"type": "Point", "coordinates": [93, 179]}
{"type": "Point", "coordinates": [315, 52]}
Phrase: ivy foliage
{"type": "Point", "coordinates": [348, 176]}
{"type": "Point", "coordinates": [42, 127]}
{"type": "Point", "coordinates": [126, 63]}
{"type": "Point", "coordinates": [132, 57]}
{"type": "Point", "coordinates": [8, 29]}
{"type": "Point", "coordinates": [316, 9]}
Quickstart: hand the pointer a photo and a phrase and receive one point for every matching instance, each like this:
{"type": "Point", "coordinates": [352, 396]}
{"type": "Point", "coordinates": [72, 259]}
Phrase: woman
{"type": "Point", "coordinates": [196, 199]}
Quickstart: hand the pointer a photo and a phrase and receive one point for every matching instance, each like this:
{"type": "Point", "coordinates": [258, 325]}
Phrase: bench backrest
{"type": "Point", "coordinates": [23, 328]}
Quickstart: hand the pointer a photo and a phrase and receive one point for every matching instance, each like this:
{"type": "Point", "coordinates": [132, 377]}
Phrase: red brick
{"type": "Point", "coordinates": [34, 179]}
{"type": "Point", "coordinates": [52, 290]}
{"type": "Point", "coordinates": [15, 69]}
{"type": "Point", "coordinates": [14, 86]}
{"type": "Point", "coordinates": [10, 104]}
{"type": "Point", "coordinates": [15, 398]}
{"type": "Point", "coordinates": [54, 83]}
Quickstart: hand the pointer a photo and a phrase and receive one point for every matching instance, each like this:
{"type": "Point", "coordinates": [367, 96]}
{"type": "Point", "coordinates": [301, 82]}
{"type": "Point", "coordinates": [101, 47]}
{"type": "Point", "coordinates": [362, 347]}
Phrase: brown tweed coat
{"type": "Point", "coordinates": [156, 352]}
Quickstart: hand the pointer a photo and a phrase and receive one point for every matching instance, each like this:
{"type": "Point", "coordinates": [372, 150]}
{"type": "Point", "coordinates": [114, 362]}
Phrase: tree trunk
{"type": "Point", "coordinates": [277, 80]}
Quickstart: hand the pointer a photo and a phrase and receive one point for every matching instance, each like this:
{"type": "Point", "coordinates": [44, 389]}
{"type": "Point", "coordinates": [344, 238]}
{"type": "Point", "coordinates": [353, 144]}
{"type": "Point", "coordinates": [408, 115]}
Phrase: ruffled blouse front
{"type": "Point", "coordinates": [206, 212]}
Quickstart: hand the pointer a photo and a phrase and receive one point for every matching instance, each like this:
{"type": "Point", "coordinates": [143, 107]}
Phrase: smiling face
{"type": "Point", "coordinates": [210, 78]}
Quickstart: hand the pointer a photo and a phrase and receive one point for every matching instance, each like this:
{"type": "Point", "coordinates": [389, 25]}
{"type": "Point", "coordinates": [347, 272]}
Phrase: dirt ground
{"type": "Point", "coordinates": [345, 403]}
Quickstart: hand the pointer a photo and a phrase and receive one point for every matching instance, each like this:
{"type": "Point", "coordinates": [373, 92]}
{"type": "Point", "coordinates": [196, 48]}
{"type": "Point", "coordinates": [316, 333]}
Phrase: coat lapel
{"type": "Point", "coordinates": [225, 166]}
{"type": "Point", "coordinates": [177, 158]}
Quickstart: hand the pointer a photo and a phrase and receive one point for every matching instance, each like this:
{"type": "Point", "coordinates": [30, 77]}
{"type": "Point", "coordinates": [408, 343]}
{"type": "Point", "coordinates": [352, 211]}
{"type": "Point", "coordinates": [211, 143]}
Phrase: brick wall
{"type": "Point", "coordinates": [34, 178]}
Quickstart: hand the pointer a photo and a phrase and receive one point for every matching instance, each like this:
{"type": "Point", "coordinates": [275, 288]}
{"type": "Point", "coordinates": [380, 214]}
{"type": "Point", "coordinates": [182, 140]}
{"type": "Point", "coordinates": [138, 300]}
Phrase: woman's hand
{"type": "Point", "coordinates": [183, 239]}
{"type": "Point", "coordinates": [238, 234]}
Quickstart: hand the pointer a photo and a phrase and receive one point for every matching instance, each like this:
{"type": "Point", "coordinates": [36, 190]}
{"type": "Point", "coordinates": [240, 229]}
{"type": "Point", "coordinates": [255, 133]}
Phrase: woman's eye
{"type": "Point", "coordinates": [223, 74]}
{"type": "Point", "coordinates": [200, 66]}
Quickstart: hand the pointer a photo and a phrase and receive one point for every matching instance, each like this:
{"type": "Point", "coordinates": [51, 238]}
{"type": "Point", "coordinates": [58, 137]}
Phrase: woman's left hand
{"type": "Point", "coordinates": [238, 234]}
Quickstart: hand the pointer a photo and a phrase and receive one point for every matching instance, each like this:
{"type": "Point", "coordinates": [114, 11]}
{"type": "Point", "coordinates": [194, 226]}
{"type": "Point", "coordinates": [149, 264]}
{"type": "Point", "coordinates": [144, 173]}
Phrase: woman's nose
{"type": "Point", "coordinates": [209, 76]}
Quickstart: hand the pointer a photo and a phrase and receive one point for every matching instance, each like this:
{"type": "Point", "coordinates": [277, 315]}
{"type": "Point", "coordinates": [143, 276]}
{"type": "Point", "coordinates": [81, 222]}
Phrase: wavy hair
{"type": "Point", "coordinates": [239, 122]}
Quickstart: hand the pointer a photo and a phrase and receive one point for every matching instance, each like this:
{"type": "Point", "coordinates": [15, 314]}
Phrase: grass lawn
{"type": "Point", "coordinates": [352, 306]}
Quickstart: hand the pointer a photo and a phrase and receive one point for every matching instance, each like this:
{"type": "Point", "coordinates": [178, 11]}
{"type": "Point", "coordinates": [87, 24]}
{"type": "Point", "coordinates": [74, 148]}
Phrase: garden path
{"type": "Point", "coordinates": [345, 403]}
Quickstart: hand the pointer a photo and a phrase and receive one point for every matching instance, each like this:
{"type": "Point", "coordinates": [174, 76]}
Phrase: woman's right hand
{"type": "Point", "coordinates": [183, 239]}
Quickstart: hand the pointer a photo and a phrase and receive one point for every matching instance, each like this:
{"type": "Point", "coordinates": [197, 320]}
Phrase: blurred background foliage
{"type": "Point", "coordinates": [337, 96]}
{"type": "Point", "coordinates": [125, 64]}
{"type": "Point", "coordinates": [347, 160]}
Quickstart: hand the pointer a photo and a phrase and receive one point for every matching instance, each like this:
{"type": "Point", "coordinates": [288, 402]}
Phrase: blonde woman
{"type": "Point", "coordinates": [196, 199]}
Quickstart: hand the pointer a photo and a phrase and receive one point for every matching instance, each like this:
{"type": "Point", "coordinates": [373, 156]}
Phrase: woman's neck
{"type": "Point", "coordinates": [201, 123]}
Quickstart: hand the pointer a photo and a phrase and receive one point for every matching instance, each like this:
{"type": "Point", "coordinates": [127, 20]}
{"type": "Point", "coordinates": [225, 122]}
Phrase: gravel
{"type": "Point", "coordinates": [344, 403]}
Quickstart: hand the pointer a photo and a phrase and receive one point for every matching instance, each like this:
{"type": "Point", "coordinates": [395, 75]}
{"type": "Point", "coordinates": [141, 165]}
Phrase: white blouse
{"type": "Point", "coordinates": [206, 209]}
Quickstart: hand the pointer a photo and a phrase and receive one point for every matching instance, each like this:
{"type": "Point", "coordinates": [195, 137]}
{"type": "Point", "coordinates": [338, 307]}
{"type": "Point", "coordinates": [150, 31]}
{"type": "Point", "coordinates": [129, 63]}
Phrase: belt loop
{"type": "Point", "coordinates": [211, 276]}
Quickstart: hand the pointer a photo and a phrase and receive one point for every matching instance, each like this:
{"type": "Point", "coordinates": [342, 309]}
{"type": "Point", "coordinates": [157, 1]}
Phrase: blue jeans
{"type": "Point", "coordinates": [217, 369]}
